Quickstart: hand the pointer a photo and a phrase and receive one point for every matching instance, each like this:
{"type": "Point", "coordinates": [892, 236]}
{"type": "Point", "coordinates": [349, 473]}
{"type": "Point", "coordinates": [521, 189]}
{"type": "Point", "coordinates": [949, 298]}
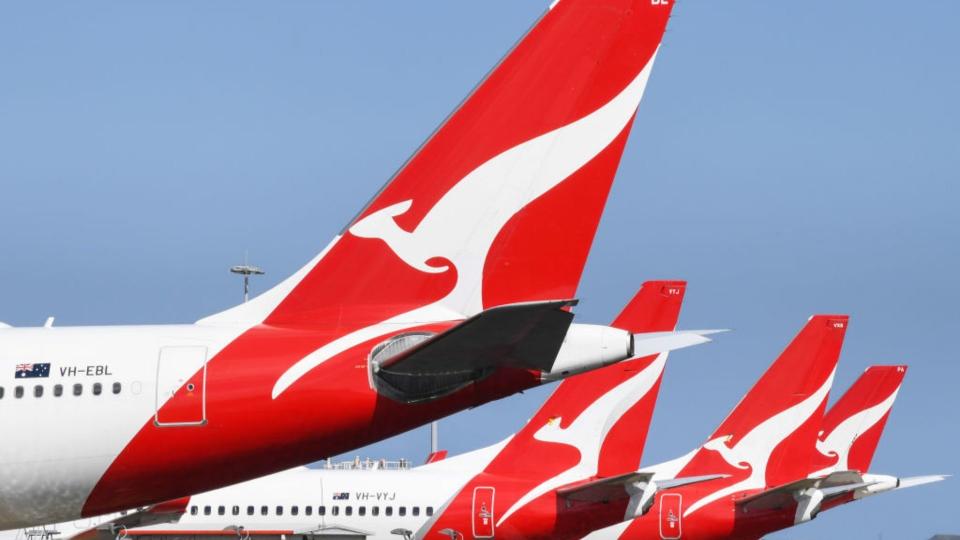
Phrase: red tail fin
{"type": "Point", "coordinates": [501, 203]}
{"type": "Point", "coordinates": [569, 437]}
{"type": "Point", "coordinates": [603, 414]}
{"type": "Point", "coordinates": [769, 437]}
{"type": "Point", "coordinates": [781, 414]}
{"type": "Point", "coordinates": [434, 457]}
{"type": "Point", "coordinates": [853, 425]}
{"type": "Point", "coordinates": [655, 308]}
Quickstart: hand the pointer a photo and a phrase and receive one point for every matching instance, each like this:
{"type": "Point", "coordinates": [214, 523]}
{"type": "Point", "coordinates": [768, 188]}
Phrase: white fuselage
{"type": "Point", "coordinates": [56, 447]}
{"type": "Point", "coordinates": [366, 503]}
{"type": "Point", "coordinates": [102, 388]}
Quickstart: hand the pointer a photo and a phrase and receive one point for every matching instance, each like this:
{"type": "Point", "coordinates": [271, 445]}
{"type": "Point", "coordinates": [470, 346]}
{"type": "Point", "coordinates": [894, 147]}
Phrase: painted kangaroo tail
{"type": "Point", "coordinates": [852, 427]}
{"type": "Point", "coordinates": [501, 203]}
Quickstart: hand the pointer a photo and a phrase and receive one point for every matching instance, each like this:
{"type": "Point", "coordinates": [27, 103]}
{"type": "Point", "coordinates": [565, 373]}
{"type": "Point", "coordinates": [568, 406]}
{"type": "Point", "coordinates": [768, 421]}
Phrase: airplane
{"type": "Point", "coordinates": [375, 503]}
{"type": "Point", "coordinates": [573, 466]}
{"type": "Point", "coordinates": [847, 441]}
{"type": "Point", "coordinates": [781, 411]}
{"type": "Point", "coordinates": [832, 472]}
{"type": "Point", "coordinates": [452, 287]}
{"type": "Point", "coordinates": [607, 411]}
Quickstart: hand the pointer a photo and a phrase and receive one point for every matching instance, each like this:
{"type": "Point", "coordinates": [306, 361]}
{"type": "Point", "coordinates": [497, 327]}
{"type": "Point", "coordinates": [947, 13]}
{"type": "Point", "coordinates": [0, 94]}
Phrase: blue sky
{"type": "Point", "coordinates": [788, 158]}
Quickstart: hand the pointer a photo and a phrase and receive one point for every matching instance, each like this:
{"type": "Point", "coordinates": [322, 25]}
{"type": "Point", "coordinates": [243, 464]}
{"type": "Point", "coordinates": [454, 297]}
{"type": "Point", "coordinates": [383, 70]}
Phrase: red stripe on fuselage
{"type": "Point", "coordinates": [248, 434]}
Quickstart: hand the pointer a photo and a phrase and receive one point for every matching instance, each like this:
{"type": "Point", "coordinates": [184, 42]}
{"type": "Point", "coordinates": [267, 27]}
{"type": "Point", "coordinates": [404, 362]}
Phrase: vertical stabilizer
{"type": "Point", "coordinates": [501, 203]}
{"type": "Point", "coordinates": [852, 427]}
{"type": "Point", "coordinates": [769, 438]}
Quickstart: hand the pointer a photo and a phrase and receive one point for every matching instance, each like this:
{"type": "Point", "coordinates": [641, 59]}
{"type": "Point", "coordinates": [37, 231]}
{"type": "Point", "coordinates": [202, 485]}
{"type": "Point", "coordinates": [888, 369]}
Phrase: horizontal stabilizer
{"type": "Point", "coordinates": [809, 493]}
{"type": "Point", "coordinates": [4, 325]}
{"type": "Point", "coordinates": [785, 495]}
{"type": "Point", "coordinates": [846, 488]}
{"type": "Point", "coordinates": [913, 481]}
{"type": "Point", "coordinates": [657, 342]}
{"type": "Point", "coordinates": [673, 483]}
{"type": "Point", "coordinates": [417, 367]}
{"type": "Point", "coordinates": [639, 487]}
{"type": "Point", "coordinates": [604, 489]}
{"type": "Point", "coordinates": [881, 483]}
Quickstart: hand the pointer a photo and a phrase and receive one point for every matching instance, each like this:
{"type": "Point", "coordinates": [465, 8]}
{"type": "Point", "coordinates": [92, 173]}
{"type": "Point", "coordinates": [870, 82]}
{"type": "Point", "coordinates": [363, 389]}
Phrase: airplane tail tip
{"type": "Point", "coordinates": [654, 308]}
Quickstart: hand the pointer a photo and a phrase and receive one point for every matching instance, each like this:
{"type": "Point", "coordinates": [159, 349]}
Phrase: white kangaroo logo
{"type": "Point", "coordinates": [464, 223]}
{"type": "Point", "coordinates": [839, 441]}
{"type": "Point", "coordinates": [590, 428]}
{"type": "Point", "coordinates": [754, 449]}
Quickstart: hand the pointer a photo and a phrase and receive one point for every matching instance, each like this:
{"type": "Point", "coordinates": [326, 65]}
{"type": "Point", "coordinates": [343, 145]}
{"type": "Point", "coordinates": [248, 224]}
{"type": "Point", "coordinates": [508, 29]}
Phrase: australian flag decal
{"type": "Point", "coordinates": [341, 496]}
{"type": "Point", "coordinates": [32, 371]}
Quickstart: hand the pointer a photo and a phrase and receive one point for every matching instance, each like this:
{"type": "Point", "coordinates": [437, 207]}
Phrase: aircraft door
{"type": "Point", "coordinates": [483, 516]}
{"type": "Point", "coordinates": [671, 516]}
{"type": "Point", "coordinates": [181, 386]}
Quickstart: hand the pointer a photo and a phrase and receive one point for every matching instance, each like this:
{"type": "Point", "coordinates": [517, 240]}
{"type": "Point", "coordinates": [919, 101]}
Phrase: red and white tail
{"type": "Point", "coordinates": [602, 415]}
{"type": "Point", "coordinates": [500, 205]}
{"type": "Point", "coordinates": [769, 437]}
{"type": "Point", "coordinates": [594, 424]}
{"type": "Point", "coordinates": [852, 427]}
{"type": "Point", "coordinates": [655, 308]}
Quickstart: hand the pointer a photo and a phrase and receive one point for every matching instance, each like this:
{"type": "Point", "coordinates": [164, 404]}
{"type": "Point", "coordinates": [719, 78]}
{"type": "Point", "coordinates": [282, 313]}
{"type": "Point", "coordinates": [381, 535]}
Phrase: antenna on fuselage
{"type": "Point", "coordinates": [246, 270]}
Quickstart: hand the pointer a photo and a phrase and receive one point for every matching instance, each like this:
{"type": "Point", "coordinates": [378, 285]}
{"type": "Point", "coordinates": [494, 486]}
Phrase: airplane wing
{"type": "Point", "coordinates": [525, 336]}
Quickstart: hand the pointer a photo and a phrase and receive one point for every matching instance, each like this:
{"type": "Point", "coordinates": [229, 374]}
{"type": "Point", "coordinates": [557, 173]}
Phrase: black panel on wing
{"type": "Point", "coordinates": [417, 367]}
